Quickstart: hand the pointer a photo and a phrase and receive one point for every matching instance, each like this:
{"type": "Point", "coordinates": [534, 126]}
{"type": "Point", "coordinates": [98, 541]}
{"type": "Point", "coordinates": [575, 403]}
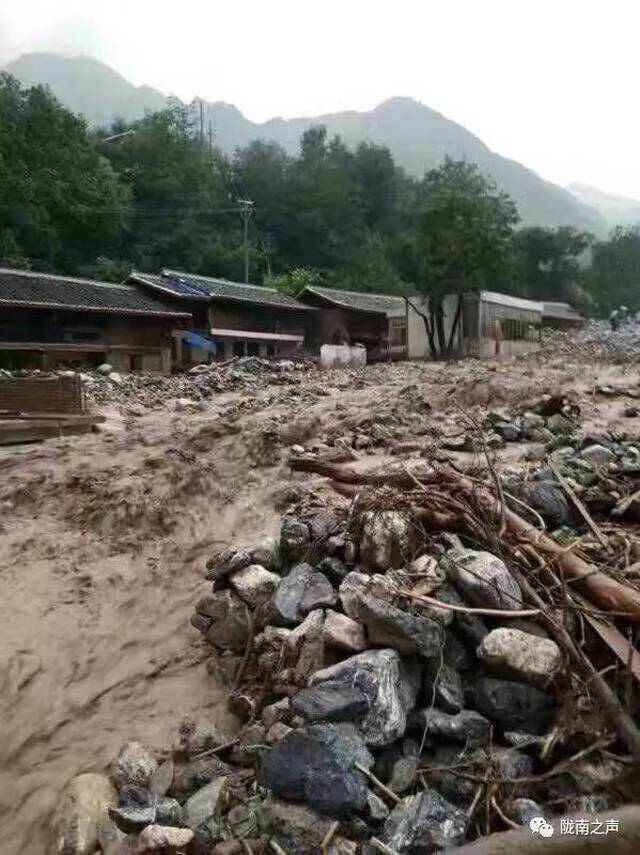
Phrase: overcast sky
{"type": "Point", "coordinates": [551, 83]}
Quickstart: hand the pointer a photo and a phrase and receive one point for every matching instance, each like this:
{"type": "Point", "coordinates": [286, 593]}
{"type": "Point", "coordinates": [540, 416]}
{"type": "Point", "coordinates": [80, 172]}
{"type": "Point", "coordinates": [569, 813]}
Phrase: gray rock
{"type": "Point", "coordinates": [343, 633]}
{"type": "Point", "coordinates": [531, 422]}
{"type": "Point", "coordinates": [523, 811]}
{"type": "Point", "coordinates": [205, 736]}
{"type": "Point", "coordinates": [386, 624]}
{"type": "Point", "coordinates": [79, 815]}
{"type": "Point", "coordinates": [403, 774]}
{"type": "Point", "coordinates": [467, 726]}
{"type": "Point", "coordinates": [254, 584]}
{"type": "Point", "coordinates": [334, 569]}
{"type": "Point", "coordinates": [242, 822]}
{"type": "Point", "coordinates": [206, 803]}
{"type": "Point", "coordinates": [495, 440]}
{"type": "Point", "coordinates": [159, 838]}
{"type": "Point", "coordinates": [133, 765]}
{"type": "Point", "coordinates": [251, 746]}
{"type": "Point", "coordinates": [389, 684]}
{"type": "Point", "coordinates": [471, 628]}
{"type": "Point", "coordinates": [560, 424]}
{"type": "Point", "coordinates": [303, 590]}
{"type": "Point", "coordinates": [295, 540]}
{"type": "Point", "coordinates": [598, 456]}
{"type": "Point", "coordinates": [512, 764]}
{"type": "Point", "coordinates": [132, 817]}
{"type": "Point", "coordinates": [267, 554]}
{"type": "Point", "coordinates": [277, 732]}
{"type": "Point", "coordinates": [227, 562]}
{"type": "Point", "coordinates": [424, 823]}
{"type": "Point", "coordinates": [513, 706]}
{"type": "Point", "coordinates": [280, 711]}
{"type": "Point", "coordinates": [483, 578]}
{"type": "Point", "coordinates": [545, 497]}
{"type": "Point", "coordinates": [230, 626]}
{"type": "Point", "coordinates": [387, 539]}
{"type": "Point", "coordinates": [296, 828]}
{"type": "Point", "coordinates": [508, 431]}
{"type": "Point", "coordinates": [196, 775]}
{"type": "Point", "coordinates": [315, 765]}
{"type": "Point", "coordinates": [443, 684]}
{"type": "Point", "coordinates": [376, 811]}
{"type": "Point", "coordinates": [523, 740]}
{"type": "Point", "coordinates": [454, 443]}
{"type": "Point", "coordinates": [331, 702]}
{"type": "Point", "coordinates": [520, 655]}
{"type": "Point", "coordinates": [112, 841]}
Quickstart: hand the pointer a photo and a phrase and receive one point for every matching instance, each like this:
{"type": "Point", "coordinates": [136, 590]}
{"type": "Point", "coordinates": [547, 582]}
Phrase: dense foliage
{"type": "Point", "coordinates": [156, 193]}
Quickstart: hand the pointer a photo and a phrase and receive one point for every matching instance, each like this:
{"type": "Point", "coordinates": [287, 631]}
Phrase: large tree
{"type": "Point", "coordinates": [549, 263]}
{"type": "Point", "coordinates": [614, 277]}
{"type": "Point", "coordinates": [463, 232]}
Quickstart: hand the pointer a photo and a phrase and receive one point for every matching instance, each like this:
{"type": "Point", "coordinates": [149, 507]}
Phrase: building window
{"type": "Point", "coordinates": [398, 332]}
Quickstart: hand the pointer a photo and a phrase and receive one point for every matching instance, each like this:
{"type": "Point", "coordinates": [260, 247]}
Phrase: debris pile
{"type": "Point", "coordinates": [422, 669]}
{"type": "Point", "coordinates": [594, 343]}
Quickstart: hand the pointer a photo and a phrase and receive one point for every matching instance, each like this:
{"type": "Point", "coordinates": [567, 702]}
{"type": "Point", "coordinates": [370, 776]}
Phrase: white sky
{"type": "Point", "coordinates": [551, 83]}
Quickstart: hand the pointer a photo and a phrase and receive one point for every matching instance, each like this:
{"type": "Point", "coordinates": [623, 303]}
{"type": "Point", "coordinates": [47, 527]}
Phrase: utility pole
{"type": "Point", "coordinates": [246, 209]}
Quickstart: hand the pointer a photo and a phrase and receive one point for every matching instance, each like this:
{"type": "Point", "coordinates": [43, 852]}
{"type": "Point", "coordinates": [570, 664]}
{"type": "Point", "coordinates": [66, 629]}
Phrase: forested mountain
{"type": "Point", "coordinates": [418, 137]}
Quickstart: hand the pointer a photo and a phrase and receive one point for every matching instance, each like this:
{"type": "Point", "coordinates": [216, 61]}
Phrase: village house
{"type": "Point", "coordinates": [561, 316]}
{"type": "Point", "coordinates": [229, 318]}
{"type": "Point", "coordinates": [49, 321]}
{"type": "Point", "coordinates": [494, 325]}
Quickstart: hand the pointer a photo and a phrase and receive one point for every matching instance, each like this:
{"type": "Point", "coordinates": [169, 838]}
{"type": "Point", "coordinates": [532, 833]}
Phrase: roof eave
{"type": "Point", "coordinates": [31, 304]}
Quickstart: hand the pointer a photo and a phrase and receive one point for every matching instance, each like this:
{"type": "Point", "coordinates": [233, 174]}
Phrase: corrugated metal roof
{"type": "Point", "coordinates": [509, 300]}
{"type": "Point", "coordinates": [561, 310]}
{"type": "Point", "coordinates": [385, 304]}
{"type": "Point", "coordinates": [223, 289]}
{"type": "Point", "coordinates": [45, 290]}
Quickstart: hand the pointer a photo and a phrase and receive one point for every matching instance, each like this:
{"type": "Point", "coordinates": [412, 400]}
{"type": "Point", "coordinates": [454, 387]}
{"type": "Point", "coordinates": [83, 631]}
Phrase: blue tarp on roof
{"type": "Point", "coordinates": [196, 340]}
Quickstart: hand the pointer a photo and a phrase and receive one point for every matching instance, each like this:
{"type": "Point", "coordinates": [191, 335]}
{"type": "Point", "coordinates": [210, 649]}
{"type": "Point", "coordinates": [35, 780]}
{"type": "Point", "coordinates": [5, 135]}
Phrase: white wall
{"type": "Point", "coordinates": [342, 356]}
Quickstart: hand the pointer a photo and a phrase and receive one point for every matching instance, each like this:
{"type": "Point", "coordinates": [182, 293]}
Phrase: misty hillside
{"type": "Point", "coordinates": [418, 136]}
{"type": "Point", "coordinates": [617, 210]}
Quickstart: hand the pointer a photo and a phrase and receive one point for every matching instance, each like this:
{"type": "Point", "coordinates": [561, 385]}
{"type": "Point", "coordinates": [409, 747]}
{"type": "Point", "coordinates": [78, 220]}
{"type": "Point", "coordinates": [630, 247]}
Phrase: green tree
{"type": "Point", "coordinates": [548, 263]}
{"type": "Point", "coordinates": [295, 281]}
{"type": "Point", "coordinates": [614, 277]}
{"type": "Point", "coordinates": [463, 233]}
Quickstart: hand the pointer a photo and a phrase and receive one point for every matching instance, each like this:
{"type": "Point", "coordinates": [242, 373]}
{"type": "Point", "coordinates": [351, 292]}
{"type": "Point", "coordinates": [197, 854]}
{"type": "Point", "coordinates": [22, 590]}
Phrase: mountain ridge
{"type": "Point", "coordinates": [418, 136]}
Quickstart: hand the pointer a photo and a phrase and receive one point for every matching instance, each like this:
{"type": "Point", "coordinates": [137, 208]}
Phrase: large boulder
{"type": "Point", "coordinates": [254, 584]}
{"type": "Point", "coordinates": [302, 591]}
{"type": "Point", "coordinates": [133, 765]}
{"type": "Point", "coordinates": [343, 633]}
{"type": "Point", "coordinates": [520, 655]}
{"type": "Point", "coordinates": [424, 823]}
{"type": "Point", "coordinates": [367, 599]}
{"type": "Point", "coordinates": [229, 620]}
{"type": "Point", "coordinates": [513, 706]}
{"type": "Point", "coordinates": [483, 579]}
{"type": "Point", "coordinates": [316, 765]}
{"type": "Point", "coordinates": [389, 684]}
{"type": "Point", "coordinates": [387, 539]}
{"type": "Point", "coordinates": [79, 815]}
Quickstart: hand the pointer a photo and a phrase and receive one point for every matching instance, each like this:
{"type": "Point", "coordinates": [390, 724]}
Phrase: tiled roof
{"type": "Point", "coordinates": [191, 286]}
{"type": "Point", "coordinates": [44, 290]}
{"type": "Point", "coordinates": [510, 301]}
{"type": "Point", "coordinates": [359, 301]}
{"type": "Point", "coordinates": [562, 311]}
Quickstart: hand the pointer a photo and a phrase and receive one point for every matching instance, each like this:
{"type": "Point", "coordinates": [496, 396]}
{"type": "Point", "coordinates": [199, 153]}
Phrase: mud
{"type": "Point", "coordinates": [103, 540]}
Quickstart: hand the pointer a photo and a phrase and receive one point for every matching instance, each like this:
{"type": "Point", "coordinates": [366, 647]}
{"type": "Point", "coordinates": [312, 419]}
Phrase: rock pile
{"type": "Point", "coordinates": [594, 343]}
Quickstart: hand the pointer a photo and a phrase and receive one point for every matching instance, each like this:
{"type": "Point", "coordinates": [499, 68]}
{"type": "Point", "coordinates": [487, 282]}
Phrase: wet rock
{"type": "Point", "coordinates": [308, 640]}
{"type": "Point", "coordinates": [424, 823]}
{"type": "Point", "coordinates": [277, 732]}
{"type": "Point", "coordinates": [303, 590]}
{"type": "Point", "coordinates": [495, 440]}
{"type": "Point", "coordinates": [598, 456]}
{"type": "Point", "coordinates": [205, 736]}
{"type": "Point", "coordinates": [112, 841]}
{"type": "Point", "coordinates": [455, 654]}
{"type": "Point", "coordinates": [206, 803]}
{"type": "Point", "coordinates": [403, 774]}
{"type": "Point", "coordinates": [230, 621]}
{"type": "Point", "coordinates": [133, 765]}
{"type": "Point", "coordinates": [343, 633]}
{"type": "Point", "coordinates": [254, 584]}
{"type": "Point", "coordinates": [387, 539]}
{"type": "Point", "coordinates": [471, 628]}
{"type": "Point", "coordinates": [386, 624]}
{"type": "Point", "coordinates": [267, 554]}
{"type": "Point", "coordinates": [323, 525]}
{"type": "Point", "coordinates": [79, 814]}
{"type": "Point", "coordinates": [162, 779]}
{"type": "Point", "coordinates": [508, 431]}
{"type": "Point", "coordinates": [196, 775]}
{"type": "Point", "coordinates": [242, 822]}
{"type": "Point", "coordinates": [512, 764]}
{"type": "Point", "coordinates": [295, 540]}
{"type": "Point", "coordinates": [139, 808]}
{"type": "Point", "coordinates": [334, 569]}
{"type": "Point", "coordinates": [454, 443]}
{"type": "Point", "coordinates": [513, 706]}
{"type": "Point", "coordinates": [560, 424]}
{"type": "Point", "coordinates": [296, 828]}
{"type": "Point", "coordinates": [545, 497]}
{"type": "Point", "coordinates": [443, 684]}
{"type": "Point", "coordinates": [227, 562]}
{"type": "Point", "coordinates": [376, 810]}
{"type": "Point", "coordinates": [467, 726]}
{"type": "Point", "coordinates": [331, 702]}
{"type": "Point", "coordinates": [483, 579]}
{"type": "Point", "coordinates": [523, 811]}
{"type": "Point", "coordinates": [280, 711]}
{"type": "Point", "coordinates": [251, 746]}
{"type": "Point", "coordinates": [520, 655]}
{"type": "Point", "coordinates": [389, 684]}
{"type": "Point", "coordinates": [531, 422]}
{"type": "Point", "coordinates": [162, 839]}
{"type": "Point", "coordinates": [315, 765]}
